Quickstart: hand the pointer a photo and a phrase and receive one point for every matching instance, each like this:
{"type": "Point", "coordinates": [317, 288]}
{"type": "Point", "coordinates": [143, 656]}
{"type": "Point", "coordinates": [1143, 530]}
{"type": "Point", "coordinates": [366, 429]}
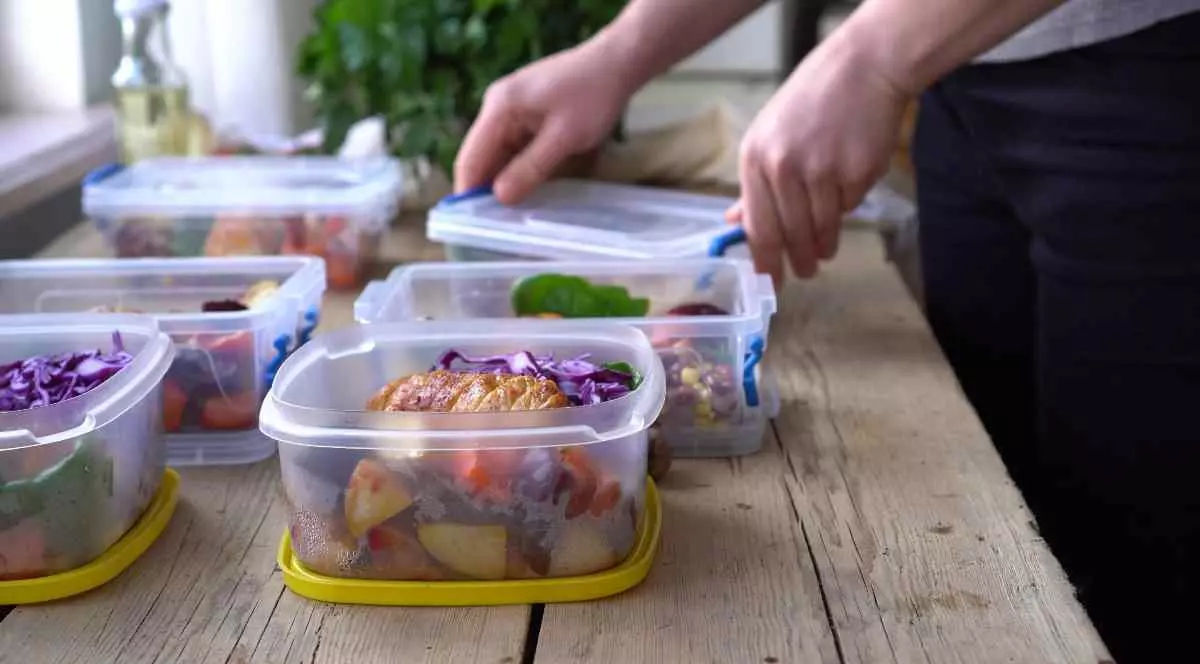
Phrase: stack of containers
{"type": "Point", "coordinates": [83, 489]}
{"type": "Point", "coordinates": [235, 206]}
{"type": "Point", "coordinates": [652, 242]}
{"type": "Point", "coordinates": [477, 506]}
{"type": "Point", "coordinates": [706, 317]}
{"type": "Point", "coordinates": [233, 321]}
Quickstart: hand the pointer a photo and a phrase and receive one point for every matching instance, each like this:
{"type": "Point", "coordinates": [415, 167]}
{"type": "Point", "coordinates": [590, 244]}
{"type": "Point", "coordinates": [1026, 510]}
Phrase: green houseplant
{"type": "Point", "coordinates": [423, 65]}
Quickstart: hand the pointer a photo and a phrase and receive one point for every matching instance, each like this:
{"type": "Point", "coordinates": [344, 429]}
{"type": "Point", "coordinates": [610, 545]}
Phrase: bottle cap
{"type": "Point", "coordinates": [136, 8]}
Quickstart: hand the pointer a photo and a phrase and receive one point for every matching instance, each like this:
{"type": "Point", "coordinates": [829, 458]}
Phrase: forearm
{"type": "Point", "coordinates": [651, 36]}
{"type": "Point", "coordinates": [916, 42]}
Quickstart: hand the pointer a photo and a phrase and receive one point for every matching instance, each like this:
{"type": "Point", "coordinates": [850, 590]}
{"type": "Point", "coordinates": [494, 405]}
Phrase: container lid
{"type": "Point", "coordinates": [367, 190]}
{"type": "Point", "coordinates": [633, 571]}
{"type": "Point", "coordinates": [576, 219]}
{"type": "Point", "coordinates": [319, 393]}
{"type": "Point", "coordinates": [76, 285]}
{"type": "Point", "coordinates": [23, 336]}
{"type": "Point", "coordinates": [114, 561]}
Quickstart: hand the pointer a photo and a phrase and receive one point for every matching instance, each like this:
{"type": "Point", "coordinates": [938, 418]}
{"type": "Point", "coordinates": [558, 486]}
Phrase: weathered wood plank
{"type": "Point", "coordinates": [733, 581]}
{"type": "Point", "coordinates": [925, 549]}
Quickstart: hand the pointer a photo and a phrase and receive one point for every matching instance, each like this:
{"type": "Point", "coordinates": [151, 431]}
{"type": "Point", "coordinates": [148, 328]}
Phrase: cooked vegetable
{"type": "Point", "coordinates": [574, 297]}
{"type": "Point", "coordinates": [374, 495]}
{"type": "Point", "coordinates": [480, 552]}
{"type": "Point", "coordinates": [697, 309]}
{"type": "Point", "coordinates": [49, 379]}
{"type": "Point", "coordinates": [582, 381]}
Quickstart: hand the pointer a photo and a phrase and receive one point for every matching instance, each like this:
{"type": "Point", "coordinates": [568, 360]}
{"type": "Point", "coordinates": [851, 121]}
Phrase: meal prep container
{"type": "Point", "coordinates": [581, 220]}
{"type": "Point", "coordinates": [226, 206]}
{"type": "Point", "coordinates": [224, 361]}
{"type": "Point", "coordinates": [459, 497]}
{"type": "Point", "coordinates": [716, 403]}
{"type": "Point", "coordinates": [76, 475]}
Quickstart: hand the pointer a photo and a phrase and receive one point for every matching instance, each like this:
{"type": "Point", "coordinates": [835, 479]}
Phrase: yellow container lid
{"type": "Point", "coordinates": [105, 568]}
{"type": "Point", "coordinates": [628, 574]}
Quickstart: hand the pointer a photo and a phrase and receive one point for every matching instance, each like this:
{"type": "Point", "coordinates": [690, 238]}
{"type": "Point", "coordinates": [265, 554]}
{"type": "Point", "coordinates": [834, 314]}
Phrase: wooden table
{"type": "Point", "coordinates": [876, 525]}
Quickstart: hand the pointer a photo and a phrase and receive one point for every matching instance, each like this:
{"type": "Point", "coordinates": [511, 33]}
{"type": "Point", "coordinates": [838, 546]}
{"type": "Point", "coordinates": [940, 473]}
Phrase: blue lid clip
{"type": "Point", "coordinates": [753, 357]}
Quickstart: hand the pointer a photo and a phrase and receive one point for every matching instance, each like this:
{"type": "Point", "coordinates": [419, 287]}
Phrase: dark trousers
{"type": "Point", "coordinates": [1060, 239]}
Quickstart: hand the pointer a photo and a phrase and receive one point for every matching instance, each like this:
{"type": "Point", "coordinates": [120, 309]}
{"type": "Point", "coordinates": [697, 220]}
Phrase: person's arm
{"type": "Point", "coordinates": [651, 36]}
{"type": "Point", "coordinates": [916, 42]}
{"type": "Point", "coordinates": [566, 104]}
{"type": "Point", "coordinates": [826, 137]}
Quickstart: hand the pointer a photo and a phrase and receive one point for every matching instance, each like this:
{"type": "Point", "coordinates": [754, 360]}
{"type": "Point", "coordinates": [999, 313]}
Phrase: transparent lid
{"type": "Point", "coordinates": [26, 336]}
{"type": "Point", "coordinates": [172, 290]}
{"type": "Point", "coordinates": [366, 191]}
{"type": "Point", "coordinates": [576, 219]}
{"type": "Point", "coordinates": [319, 395]}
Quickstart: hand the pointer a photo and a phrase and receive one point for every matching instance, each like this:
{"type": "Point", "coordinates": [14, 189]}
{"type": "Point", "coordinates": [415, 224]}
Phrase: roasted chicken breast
{"type": "Point", "coordinates": [442, 391]}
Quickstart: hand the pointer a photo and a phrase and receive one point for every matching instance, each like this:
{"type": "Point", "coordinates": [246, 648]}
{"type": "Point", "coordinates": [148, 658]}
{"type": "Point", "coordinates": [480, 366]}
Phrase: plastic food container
{"type": "Point", "coordinates": [716, 403]}
{"type": "Point", "coordinates": [224, 361]}
{"type": "Point", "coordinates": [485, 497]}
{"type": "Point", "coordinates": [76, 475]}
{"type": "Point", "coordinates": [227, 206]}
{"type": "Point", "coordinates": [581, 220]}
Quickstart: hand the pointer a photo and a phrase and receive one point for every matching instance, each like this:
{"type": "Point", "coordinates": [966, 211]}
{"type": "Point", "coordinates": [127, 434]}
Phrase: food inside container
{"type": "Point", "coordinates": [240, 205]}
{"type": "Point", "coordinates": [447, 453]}
{"type": "Point", "coordinates": [707, 318]}
{"type": "Point", "coordinates": [232, 320]}
{"type": "Point", "coordinates": [81, 448]}
{"type": "Point", "coordinates": [568, 219]}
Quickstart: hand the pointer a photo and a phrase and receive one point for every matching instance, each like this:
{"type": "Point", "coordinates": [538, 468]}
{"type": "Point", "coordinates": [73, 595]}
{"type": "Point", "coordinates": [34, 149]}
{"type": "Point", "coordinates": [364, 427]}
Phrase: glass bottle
{"type": "Point", "coordinates": [151, 91]}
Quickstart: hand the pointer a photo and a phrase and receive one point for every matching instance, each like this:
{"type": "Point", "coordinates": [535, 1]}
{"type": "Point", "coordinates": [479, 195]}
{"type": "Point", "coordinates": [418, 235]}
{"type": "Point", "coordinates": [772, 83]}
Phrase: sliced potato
{"type": "Point", "coordinates": [480, 552]}
{"type": "Point", "coordinates": [581, 549]}
{"type": "Point", "coordinates": [396, 554]}
{"type": "Point", "coordinates": [374, 495]}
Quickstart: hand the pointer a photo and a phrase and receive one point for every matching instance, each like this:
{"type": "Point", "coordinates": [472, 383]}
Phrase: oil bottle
{"type": "Point", "coordinates": [152, 100]}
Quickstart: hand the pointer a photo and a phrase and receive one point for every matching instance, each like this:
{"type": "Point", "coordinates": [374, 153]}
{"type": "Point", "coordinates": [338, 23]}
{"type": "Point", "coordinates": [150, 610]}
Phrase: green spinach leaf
{"type": "Point", "coordinates": [575, 297]}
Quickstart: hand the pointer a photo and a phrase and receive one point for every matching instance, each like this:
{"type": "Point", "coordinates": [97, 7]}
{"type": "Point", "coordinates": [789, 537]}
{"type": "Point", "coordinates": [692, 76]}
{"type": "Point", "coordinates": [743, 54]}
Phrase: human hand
{"type": "Point", "coordinates": [536, 118]}
{"type": "Point", "coordinates": [812, 154]}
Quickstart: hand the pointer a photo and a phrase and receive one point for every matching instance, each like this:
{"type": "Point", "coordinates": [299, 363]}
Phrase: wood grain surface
{"type": "Point", "coordinates": [876, 525]}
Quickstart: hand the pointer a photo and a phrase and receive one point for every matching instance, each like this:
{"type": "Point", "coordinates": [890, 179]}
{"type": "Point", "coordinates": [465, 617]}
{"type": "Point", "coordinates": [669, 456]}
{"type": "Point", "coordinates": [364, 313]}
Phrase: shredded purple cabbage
{"type": "Point", "coordinates": [49, 379]}
{"type": "Point", "coordinates": [582, 381]}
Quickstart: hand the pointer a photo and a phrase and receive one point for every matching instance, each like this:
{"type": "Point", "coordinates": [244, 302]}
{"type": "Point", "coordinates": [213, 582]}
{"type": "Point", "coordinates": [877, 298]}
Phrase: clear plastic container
{"type": "Point", "coordinates": [581, 220]}
{"type": "Point", "coordinates": [226, 206]}
{"type": "Point", "coordinates": [715, 405]}
{"type": "Point", "coordinates": [459, 496]}
{"type": "Point", "coordinates": [225, 360]}
{"type": "Point", "coordinates": [76, 475]}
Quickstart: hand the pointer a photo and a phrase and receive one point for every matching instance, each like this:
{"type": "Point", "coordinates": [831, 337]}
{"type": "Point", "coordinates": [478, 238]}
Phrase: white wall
{"type": "Point", "coordinates": [753, 47]}
{"type": "Point", "coordinates": [41, 52]}
{"type": "Point", "coordinates": [240, 58]}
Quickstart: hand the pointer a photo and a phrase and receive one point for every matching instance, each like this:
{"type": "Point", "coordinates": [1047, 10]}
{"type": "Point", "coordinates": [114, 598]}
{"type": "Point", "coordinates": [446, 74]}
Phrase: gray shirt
{"type": "Point", "coordinates": [1082, 22]}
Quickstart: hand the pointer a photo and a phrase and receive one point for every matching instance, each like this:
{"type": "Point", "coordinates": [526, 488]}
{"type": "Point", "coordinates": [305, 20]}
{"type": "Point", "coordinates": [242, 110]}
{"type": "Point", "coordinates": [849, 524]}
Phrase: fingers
{"type": "Point", "coordinates": [795, 219]}
{"type": "Point", "coordinates": [485, 149]}
{"type": "Point", "coordinates": [535, 164]}
{"type": "Point", "coordinates": [735, 214]}
{"type": "Point", "coordinates": [763, 232]}
{"type": "Point", "coordinates": [826, 205]}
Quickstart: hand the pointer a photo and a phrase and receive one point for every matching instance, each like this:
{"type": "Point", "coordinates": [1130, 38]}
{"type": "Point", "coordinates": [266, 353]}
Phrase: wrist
{"type": "Point", "coordinates": [884, 48]}
{"type": "Point", "coordinates": [620, 51]}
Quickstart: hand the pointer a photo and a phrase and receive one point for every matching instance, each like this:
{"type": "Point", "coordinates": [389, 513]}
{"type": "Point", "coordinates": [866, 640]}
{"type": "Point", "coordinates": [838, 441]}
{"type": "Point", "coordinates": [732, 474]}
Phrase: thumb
{"type": "Point", "coordinates": [534, 165]}
{"type": "Point", "coordinates": [735, 214]}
